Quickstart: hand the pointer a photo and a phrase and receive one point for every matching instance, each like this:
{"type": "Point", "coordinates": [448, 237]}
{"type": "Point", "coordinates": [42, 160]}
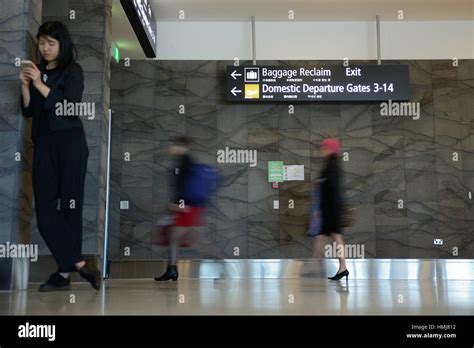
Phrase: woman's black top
{"type": "Point", "coordinates": [331, 197]}
{"type": "Point", "coordinates": [66, 86]}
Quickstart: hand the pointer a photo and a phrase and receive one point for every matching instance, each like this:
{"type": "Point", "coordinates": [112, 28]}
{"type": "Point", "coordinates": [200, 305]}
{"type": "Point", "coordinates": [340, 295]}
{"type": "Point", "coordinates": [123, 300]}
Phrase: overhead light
{"type": "Point", "coordinates": [141, 18]}
{"type": "Point", "coordinates": [116, 53]}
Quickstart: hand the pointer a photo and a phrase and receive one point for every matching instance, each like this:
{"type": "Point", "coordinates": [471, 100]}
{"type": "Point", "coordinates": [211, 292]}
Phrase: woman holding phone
{"type": "Point", "coordinates": [60, 153]}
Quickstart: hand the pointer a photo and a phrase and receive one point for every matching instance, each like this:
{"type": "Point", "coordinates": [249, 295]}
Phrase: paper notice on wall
{"type": "Point", "coordinates": [294, 172]}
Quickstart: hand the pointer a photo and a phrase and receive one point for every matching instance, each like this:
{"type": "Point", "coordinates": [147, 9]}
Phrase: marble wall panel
{"type": "Point", "coordinates": [398, 171]}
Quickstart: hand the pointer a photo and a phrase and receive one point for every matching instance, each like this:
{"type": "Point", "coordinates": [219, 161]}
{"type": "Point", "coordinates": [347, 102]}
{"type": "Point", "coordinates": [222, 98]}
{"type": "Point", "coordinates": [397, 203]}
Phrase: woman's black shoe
{"type": "Point", "coordinates": [90, 273]}
{"type": "Point", "coordinates": [56, 282]}
{"type": "Point", "coordinates": [171, 273]}
{"type": "Point", "coordinates": [340, 275]}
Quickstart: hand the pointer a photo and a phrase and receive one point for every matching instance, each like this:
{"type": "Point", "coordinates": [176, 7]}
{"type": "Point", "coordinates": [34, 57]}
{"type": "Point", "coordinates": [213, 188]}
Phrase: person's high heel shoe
{"type": "Point", "coordinates": [340, 275]}
{"type": "Point", "coordinates": [171, 273]}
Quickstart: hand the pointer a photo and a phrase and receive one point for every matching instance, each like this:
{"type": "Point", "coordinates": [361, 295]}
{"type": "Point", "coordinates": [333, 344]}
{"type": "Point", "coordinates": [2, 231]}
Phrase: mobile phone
{"type": "Point", "coordinates": [26, 64]}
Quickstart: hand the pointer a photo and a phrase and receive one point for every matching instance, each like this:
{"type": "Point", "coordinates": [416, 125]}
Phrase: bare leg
{"type": "Point", "coordinates": [206, 247]}
{"type": "Point", "coordinates": [175, 238]}
{"type": "Point", "coordinates": [79, 265]}
{"type": "Point", "coordinates": [318, 246]}
{"type": "Point", "coordinates": [340, 251]}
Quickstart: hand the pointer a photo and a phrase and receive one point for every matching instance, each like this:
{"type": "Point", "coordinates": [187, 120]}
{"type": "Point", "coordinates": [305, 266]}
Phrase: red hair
{"type": "Point", "coordinates": [333, 145]}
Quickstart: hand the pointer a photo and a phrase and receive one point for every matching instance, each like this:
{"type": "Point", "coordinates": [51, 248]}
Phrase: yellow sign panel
{"type": "Point", "coordinates": [252, 91]}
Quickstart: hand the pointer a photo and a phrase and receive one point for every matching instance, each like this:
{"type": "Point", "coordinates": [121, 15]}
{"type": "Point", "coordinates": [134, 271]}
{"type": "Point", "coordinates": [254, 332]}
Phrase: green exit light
{"type": "Point", "coordinates": [116, 54]}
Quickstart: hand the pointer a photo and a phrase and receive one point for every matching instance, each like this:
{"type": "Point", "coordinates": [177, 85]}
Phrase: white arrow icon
{"type": "Point", "coordinates": [234, 74]}
{"type": "Point", "coordinates": [234, 91]}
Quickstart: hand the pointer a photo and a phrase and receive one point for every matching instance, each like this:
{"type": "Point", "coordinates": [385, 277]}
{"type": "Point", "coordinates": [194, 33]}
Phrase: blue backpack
{"type": "Point", "coordinates": [201, 183]}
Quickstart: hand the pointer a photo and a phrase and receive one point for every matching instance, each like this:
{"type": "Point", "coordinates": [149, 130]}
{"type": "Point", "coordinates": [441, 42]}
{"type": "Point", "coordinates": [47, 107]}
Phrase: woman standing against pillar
{"type": "Point", "coordinates": [60, 152]}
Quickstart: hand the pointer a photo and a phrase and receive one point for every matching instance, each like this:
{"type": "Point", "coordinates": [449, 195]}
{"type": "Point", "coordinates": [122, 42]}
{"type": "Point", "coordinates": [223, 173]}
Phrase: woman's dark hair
{"type": "Point", "coordinates": [181, 141]}
{"type": "Point", "coordinates": [67, 50]}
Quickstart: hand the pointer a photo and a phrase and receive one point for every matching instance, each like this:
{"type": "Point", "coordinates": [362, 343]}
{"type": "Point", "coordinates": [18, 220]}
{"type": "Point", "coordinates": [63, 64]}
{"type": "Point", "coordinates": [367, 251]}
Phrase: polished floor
{"type": "Point", "coordinates": [308, 295]}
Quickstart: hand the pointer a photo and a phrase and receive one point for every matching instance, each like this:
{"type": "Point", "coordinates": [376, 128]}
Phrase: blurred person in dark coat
{"type": "Point", "coordinates": [185, 214]}
{"type": "Point", "coordinates": [331, 202]}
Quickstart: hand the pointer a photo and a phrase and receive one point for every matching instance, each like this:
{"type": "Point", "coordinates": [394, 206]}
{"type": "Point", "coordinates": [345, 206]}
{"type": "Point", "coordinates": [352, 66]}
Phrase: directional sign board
{"type": "Point", "coordinates": [306, 84]}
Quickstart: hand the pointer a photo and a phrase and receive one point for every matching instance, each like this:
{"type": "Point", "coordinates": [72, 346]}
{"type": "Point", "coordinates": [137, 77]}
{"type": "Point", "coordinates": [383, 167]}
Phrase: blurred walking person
{"type": "Point", "coordinates": [193, 184]}
{"type": "Point", "coordinates": [331, 204]}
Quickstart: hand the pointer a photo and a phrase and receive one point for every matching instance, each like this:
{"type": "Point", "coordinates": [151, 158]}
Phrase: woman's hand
{"type": "Point", "coordinates": [25, 90]}
{"type": "Point", "coordinates": [34, 74]}
{"type": "Point", "coordinates": [25, 80]}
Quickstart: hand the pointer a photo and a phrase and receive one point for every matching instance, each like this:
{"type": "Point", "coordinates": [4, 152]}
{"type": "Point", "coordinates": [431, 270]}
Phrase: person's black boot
{"type": "Point", "coordinates": [171, 273]}
{"type": "Point", "coordinates": [56, 282]}
{"type": "Point", "coordinates": [92, 274]}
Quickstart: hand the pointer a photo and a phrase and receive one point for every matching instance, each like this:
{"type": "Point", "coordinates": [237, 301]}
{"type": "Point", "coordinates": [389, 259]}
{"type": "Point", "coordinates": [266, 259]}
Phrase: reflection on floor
{"type": "Point", "coordinates": [309, 295]}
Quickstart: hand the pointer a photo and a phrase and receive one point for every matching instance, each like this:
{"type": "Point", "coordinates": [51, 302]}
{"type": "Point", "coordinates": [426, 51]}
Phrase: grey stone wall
{"type": "Point", "coordinates": [390, 158]}
{"type": "Point", "coordinates": [19, 22]}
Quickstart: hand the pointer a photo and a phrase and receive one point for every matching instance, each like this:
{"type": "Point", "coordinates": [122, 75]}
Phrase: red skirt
{"type": "Point", "coordinates": [192, 217]}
